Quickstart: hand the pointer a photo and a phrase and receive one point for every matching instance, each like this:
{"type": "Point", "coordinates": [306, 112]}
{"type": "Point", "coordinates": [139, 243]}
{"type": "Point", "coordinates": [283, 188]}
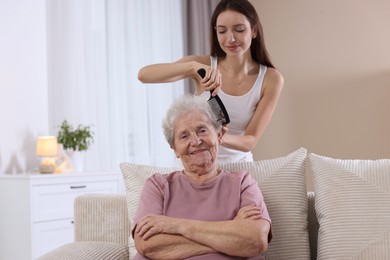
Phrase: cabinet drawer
{"type": "Point", "coordinates": [50, 235]}
{"type": "Point", "coordinates": [55, 201]}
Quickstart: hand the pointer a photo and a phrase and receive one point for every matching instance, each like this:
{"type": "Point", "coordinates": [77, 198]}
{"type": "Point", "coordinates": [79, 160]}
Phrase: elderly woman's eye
{"type": "Point", "coordinates": [203, 131]}
{"type": "Point", "coordinates": [184, 136]}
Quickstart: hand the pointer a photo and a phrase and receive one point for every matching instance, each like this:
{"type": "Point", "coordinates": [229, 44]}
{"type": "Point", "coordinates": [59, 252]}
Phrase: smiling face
{"type": "Point", "coordinates": [196, 141]}
{"type": "Point", "coordinates": [234, 32]}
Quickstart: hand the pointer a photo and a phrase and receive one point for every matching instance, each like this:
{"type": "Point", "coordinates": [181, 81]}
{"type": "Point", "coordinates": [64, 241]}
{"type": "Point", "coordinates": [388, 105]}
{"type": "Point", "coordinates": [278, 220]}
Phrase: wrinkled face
{"type": "Point", "coordinates": [234, 32]}
{"type": "Point", "coordinates": [196, 140]}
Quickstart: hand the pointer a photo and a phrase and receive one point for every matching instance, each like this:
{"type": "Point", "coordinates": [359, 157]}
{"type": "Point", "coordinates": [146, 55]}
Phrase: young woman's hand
{"type": "Point", "coordinates": [212, 80]}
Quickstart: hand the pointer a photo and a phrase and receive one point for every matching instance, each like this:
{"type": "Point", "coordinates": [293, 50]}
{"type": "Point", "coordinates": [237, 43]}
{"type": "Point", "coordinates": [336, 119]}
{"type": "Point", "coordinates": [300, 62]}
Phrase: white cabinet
{"type": "Point", "coordinates": [36, 210]}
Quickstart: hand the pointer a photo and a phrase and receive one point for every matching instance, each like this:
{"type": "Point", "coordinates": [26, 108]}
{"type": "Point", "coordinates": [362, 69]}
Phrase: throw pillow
{"type": "Point", "coordinates": [283, 184]}
{"type": "Point", "coordinates": [353, 207]}
{"type": "Point", "coordinates": [134, 176]}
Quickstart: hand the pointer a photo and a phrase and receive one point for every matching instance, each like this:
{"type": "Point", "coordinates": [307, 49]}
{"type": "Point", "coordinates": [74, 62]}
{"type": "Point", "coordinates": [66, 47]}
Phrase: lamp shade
{"type": "Point", "coordinates": [47, 146]}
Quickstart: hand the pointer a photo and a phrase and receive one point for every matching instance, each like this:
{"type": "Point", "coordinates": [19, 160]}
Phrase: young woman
{"type": "Point", "coordinates": [239, 70]}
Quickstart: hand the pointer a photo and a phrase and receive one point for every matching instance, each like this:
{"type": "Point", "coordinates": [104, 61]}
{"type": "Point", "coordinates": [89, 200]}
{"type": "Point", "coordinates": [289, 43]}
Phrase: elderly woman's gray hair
{"type": "Point", "coordinates": [183, 105]}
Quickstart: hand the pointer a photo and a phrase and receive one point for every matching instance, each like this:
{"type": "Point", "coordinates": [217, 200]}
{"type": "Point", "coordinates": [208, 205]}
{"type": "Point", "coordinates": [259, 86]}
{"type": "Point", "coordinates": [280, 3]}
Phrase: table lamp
{"type": "Point", "coordinates": [47, 148]}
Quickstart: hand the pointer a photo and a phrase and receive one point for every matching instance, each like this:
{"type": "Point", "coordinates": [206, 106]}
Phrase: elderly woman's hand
{"type": "Point", "coordinates": [151, 225]}
{"type": "Point", "coordinates": [249, 212]}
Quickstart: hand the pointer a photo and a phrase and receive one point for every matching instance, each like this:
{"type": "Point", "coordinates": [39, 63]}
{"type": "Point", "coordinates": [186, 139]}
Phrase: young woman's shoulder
{"type": "Point", "coordinates": [273, 79]}
{"type": "Point", "coordinates": [274, 75]}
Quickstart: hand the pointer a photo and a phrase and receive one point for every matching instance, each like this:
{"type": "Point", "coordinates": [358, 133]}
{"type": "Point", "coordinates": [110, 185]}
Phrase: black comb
{"type": "Point", "coordinates": [216, 104]}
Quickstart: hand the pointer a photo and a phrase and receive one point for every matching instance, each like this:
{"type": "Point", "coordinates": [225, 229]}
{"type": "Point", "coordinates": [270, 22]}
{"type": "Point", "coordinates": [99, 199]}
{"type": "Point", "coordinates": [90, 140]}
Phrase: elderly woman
{"type": "Point", "coordinates": [201, 212]}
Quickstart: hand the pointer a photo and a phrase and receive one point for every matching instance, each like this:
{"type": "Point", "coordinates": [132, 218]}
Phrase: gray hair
{"type": "Point", "coordinates": [184, 105]}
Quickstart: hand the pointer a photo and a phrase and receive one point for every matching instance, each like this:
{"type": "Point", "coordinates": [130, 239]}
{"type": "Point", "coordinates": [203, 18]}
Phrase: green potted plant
{"type": "Point", "coordinates": [79, 139]}
{"type": "Point", "coordinates": [74, 142]}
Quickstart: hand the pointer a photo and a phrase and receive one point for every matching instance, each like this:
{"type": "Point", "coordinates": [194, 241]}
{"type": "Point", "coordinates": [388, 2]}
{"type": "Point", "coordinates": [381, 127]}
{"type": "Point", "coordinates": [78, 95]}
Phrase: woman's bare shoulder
{"type": "Point", "coordinates": [273, 78]}
{"type": "Point", "coordinates": [273, 82]}
{"type": "Point", "coordinates": [274, 74]}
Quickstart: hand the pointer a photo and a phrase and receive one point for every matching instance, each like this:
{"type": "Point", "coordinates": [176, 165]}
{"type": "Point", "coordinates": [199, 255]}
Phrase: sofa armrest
{"type": "Point", "coordinates": [101, 217]}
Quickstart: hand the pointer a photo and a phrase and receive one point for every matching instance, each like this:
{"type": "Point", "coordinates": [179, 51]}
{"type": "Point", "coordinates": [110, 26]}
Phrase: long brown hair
{"type": "Point", "coordinates": [258, 50]}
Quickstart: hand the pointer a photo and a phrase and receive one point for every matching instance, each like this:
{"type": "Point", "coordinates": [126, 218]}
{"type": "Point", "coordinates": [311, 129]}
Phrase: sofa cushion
{"type": "Point", "coordinates": [353, 207]}
{"type": "Point", "coordinates": [283, 184]}
{"type": "Point", "coordinates": [87, 250]}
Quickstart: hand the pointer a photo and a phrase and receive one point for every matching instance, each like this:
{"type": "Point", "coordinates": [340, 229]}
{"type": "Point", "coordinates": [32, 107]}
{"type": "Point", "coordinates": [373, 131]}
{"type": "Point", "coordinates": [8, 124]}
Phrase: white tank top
{"type": "Point", "coordinates": [240, 110]}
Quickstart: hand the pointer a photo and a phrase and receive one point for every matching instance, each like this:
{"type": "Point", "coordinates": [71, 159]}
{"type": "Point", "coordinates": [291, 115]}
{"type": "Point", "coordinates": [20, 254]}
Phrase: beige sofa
{"type": "Point", "coordinates": [102, 229]}
{"type": "Point", "coordinates": [346, 217]}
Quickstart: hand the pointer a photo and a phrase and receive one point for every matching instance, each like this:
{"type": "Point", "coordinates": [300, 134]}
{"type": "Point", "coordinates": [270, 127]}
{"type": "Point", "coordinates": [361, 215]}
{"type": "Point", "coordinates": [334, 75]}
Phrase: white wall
{"type": "Point", "coordinates": [23, 83]}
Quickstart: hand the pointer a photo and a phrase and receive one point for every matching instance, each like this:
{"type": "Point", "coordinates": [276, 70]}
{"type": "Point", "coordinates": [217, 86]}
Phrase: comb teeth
{"type": "Point", "coordinates": [217, 110]}
{"type": "Point", "coordinates": [216, 104]}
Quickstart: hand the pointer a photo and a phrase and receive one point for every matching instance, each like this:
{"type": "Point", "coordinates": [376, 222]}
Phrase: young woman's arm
{"type": "Point", "coordinates": [168, 72]}
{"type": "Point", "coordinates": [272, 88]}
{"type": "Point", "coordinates": [186, 67]}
